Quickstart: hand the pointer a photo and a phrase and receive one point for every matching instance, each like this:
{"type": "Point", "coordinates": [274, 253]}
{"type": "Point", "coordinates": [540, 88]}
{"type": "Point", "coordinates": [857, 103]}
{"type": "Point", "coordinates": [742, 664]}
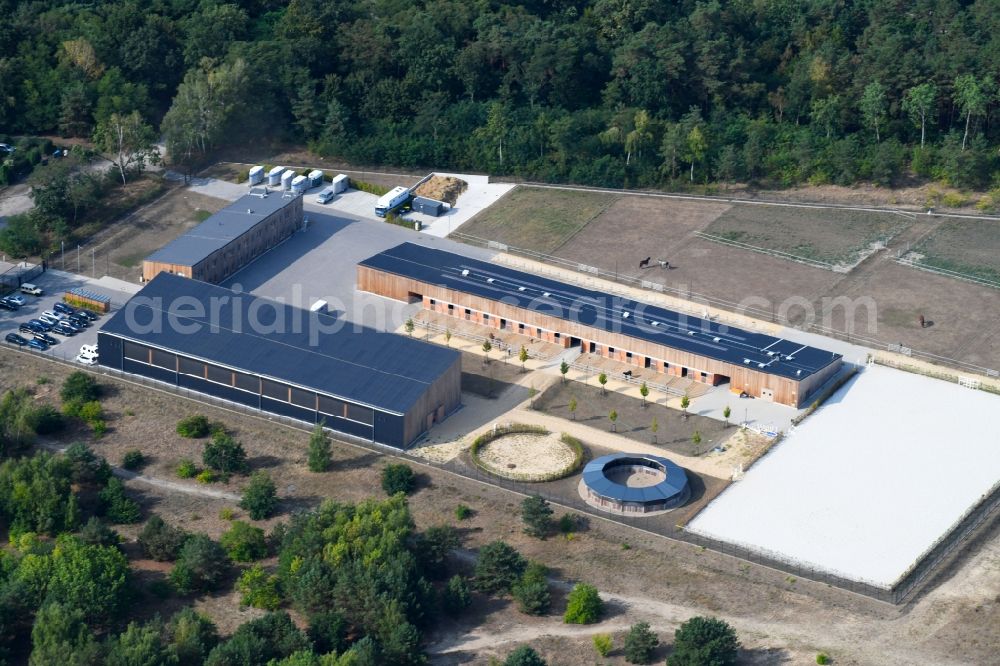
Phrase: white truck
{"type": "Point", "coordinates": [391, 200]}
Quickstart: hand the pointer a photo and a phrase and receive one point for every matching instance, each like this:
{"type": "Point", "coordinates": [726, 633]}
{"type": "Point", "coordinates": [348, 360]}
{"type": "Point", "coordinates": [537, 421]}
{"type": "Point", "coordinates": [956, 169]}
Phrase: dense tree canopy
{"type": "Point", "coordinates": [593, 91]}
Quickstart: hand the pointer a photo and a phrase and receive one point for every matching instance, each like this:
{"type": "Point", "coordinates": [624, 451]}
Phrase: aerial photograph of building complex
{"type": "Point", "coordinates": [499, 333]}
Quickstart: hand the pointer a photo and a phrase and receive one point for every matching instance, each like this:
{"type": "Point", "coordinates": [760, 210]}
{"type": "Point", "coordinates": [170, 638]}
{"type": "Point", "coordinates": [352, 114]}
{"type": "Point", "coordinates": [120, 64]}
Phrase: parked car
{"type": "Point", "coordinates": [16, 339]}
{"type": "Point", "coordinates": [16, 299]}
{"type": "Point", "coordinates": [62, 328]}
{"type": "Point", "coordinates": [88, 350]}
{"type": "Point", "coordinates": [47, 339]}
{"type": "Point", "coordinates": [91, 316]}
{"type": "Point", "coordinates": [48, 319]}
{"type": "Point", "coordinates": [35, 343]}
{"type": "Point", "coordinates": [41, 325]}
{"type": "Point", "coordinates": [55, 315]}
{"type": "Point", "coordinates": [62, 308]}
{"type": "Point", "coordinates": [34, 290]}
{"type": "Point", "coordinates": [6, 305]}
{"type": "Point", "coordinates": [78, 321]}
{"type": "Point", "coordinates": [86, 360]}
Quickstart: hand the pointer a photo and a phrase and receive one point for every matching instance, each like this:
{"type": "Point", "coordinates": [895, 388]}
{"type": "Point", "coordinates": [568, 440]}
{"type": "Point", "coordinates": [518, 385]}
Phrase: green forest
{"type": "Point", "coordinates": [631, 93]}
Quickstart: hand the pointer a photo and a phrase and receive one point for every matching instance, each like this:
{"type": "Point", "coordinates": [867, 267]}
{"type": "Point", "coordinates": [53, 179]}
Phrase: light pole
{"type": "Point", "coordinates": [62, 249]}
{"type": "Point", "coordinates": [93, 262]}
{"type": "Point", "coordinates": [77, 258]}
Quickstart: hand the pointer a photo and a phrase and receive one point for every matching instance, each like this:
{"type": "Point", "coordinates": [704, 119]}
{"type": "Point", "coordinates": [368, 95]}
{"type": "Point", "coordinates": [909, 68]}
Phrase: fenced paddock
{"type": "Point", "coordinates": [874, 481]}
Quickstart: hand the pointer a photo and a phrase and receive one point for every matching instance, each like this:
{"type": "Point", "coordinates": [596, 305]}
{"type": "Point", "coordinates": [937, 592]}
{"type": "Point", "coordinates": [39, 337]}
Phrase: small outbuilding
{"type": "Point", "coordinates": [286, 179]}
{"type": "Point", "coordinates": [427, 206]}
{"type": "Point", "coordinates": [256, 175]}
{"type": "Point", "coordinates": [315, 178]}
{"type": "Point", "coordinates": [300, 184]}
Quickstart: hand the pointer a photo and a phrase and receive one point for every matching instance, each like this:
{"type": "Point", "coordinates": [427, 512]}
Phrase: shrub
{"type": "Point", "coordinates": [80, 387]}
{"type": "Point", "coordinates": [319, 450]}
{"type": "Point", "coordinates": [87, 468]}
{"type": "Point", "coordinates": [498, 567]}
{"type": "Point", "coordinates": [133, 459]}
{"type": "Point", "coordinates": [272, 637]}
{"type": "Point", "coordinates": [603, 644]}
{"type": "Point", "coordinates": [524, 656]}
{"type": "Point", "coordinates": [822, 658]}
{"type": "Point", "coordinates": [462, 512]}
{"type": "Point", "coordinates": [192, 636]}
{"type": "Point", "coordinates": [704, 640]}
{"type": "Point", "coordinates": [640, 642]}
{"type": "Point", "coordinates": [117, 506]}
{"type": "Point", "coordinates": [258, 589]}
{"type": "Point", "coordinates": [91, 412]}
{"type": "Point", "coordinates": [584, 605]}
{"type": "Point", "coordinates": [260, 497]}
{"type": "Point", "coordinates": [44, 420]}
{"type": "Point", "coordinates": [206, 476]}
{"type": "Point", "coordinates": [201, 565]}
{"type": "Point", "coordinates": [455, 596]}
{"type": "Point", "coordinates": [160, 541]}
{"type": "Point", "coordinates": [433, 547]}
{"type": "Point", "coordinates": [532, 591]}
{"type": "Point", "coordinates": [96, 533]}
{"type": "Point", "coordinates": [244, 542]}
{"type": "Point", "coordinates": [398, 478]}
{"type": "Point", "coordinates": [537, 516]}
{"type": "Point", "coordinates": [99, 427]}
{"type": "Point", "coordinates": [193, 427]}
{"type": "Point", "coordinates": [186, 468]}
{"type": "Point", "coordinates": [225, 454]}
{"type": "Point", "coordinates": [227, 513]}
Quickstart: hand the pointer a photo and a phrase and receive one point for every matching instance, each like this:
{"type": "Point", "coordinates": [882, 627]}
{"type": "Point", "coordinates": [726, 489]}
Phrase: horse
{"type": "Point", "coordinates": [645, 262]}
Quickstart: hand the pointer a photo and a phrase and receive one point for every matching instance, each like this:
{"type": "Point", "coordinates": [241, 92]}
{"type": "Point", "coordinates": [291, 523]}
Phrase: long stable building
{"type": "Point", "coordinates": [276, 358]}
{"type": "Point", "coordinates": [230, 239]}
{"type": "Point", "coordinates": [636, 333]}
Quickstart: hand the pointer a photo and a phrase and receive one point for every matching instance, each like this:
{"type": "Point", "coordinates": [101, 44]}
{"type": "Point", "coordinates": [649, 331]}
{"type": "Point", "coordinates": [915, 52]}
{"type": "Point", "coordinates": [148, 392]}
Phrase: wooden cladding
{"type": "Point", "coordinates": [624, 348]}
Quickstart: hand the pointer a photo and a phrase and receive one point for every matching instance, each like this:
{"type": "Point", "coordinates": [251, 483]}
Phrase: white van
{"type": "Point", "coordinates": [28, 288]}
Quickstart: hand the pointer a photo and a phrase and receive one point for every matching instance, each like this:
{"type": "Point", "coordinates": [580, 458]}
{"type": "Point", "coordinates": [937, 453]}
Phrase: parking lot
{"type": "Point", "coordinates": [320, 262]}
{"type": "Point", "coordinates": [55, 284]}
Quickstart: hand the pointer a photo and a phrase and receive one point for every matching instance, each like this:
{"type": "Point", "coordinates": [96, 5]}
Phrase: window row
{"type": "Point", "coordinates": [250, 383]}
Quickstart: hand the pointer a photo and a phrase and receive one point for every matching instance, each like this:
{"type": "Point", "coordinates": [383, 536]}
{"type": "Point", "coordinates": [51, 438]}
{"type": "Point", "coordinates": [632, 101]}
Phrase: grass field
{"type": "Point", "coordinates": [831, 236]}
{"type": "Point", "coordinates": [123, 246]}
{"type": "Point", "coordinates": [965, 246]}
{"type": "Point", "coordinates": [538, 219]}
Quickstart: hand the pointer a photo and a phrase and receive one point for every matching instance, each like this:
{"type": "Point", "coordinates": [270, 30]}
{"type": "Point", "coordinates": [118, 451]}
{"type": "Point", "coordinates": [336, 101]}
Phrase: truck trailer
{"type": "Point", "coordinates": [391, 200]}
{"type": "Point", "coordinates": [340, 182]}
{"type": "Point", "coordinates": [274, 176]}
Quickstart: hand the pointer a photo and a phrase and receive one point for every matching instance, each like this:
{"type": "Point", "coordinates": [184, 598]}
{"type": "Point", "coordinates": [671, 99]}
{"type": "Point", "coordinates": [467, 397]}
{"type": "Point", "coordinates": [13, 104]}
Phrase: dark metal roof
{"type": "Point", "coordinates": [264, 337]}
{"type": "Point", "coordinates": [221, 228]}
{"type": "Point", "coordinates": [595, 479]}
{"type": "Point", "coordinates": [604, 311]}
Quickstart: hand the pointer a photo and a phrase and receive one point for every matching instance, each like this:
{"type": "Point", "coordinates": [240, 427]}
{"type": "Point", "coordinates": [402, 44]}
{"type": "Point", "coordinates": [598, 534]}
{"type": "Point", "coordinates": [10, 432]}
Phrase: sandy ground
{"type": "Point", "coordinates": [526, 454]}
{"type": "Point", "coordinates": [656, 580]}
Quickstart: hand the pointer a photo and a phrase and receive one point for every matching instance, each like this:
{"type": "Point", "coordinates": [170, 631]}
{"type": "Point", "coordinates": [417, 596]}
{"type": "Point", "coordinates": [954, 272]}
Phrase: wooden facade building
{"type": "Point", "coordinates": [230, 239]}
{"type": "Point", "coordinates": [634, 333]}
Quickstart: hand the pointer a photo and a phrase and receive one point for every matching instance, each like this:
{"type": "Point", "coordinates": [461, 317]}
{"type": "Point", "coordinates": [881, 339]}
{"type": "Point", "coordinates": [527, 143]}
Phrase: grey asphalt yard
{"type": "Point", "coordinates": [319, 263]}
